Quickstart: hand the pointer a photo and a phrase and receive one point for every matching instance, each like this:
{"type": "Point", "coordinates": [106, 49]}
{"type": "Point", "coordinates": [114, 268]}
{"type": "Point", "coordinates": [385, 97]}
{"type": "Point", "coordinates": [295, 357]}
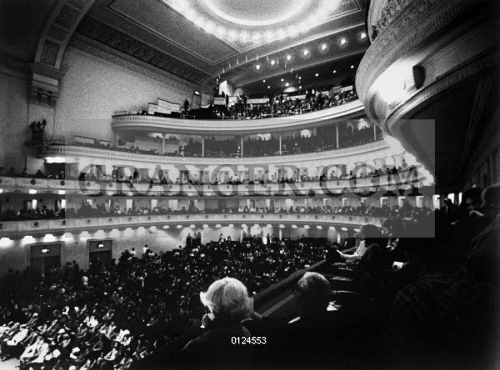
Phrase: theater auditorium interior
{"type": "Point", "coordinates": [249, 184]}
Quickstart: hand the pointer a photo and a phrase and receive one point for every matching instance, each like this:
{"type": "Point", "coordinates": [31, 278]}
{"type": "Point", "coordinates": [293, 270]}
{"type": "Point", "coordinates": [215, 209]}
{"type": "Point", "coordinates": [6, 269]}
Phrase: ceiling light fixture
{"type": "Point", "coordinates": [317, 74]}
{"type": "Point", "coordinates": [303, 27]}
{"type": "Point", "coordinates": [269, 87]}
{"type": "Point", "coordinates": [363, 35]}
{"type": "Point", "coordinates": [296, 7]}
{"type": "Point", "coordinates": [256, 37]}
{"type": "Point", "coordinates": [334, 71]}
{"type": "Point", "coordinates": [232, 35]}
{"type": "Point", "coordinates": [282, 79]}
{"type": "Point", "coordinates": [221, 31]}
{"type": "Point", "coordinates": [287, 84]}
{"type": "Point", "coordinates": [244, 36]}
{"type": "Point", "coordinates": [306, 52]}
{"type": "Point", "coordinates": [273, 62]}
{"type": "Point", "coordinates": [209, 27]}
{"type": "Point", "coordinates": [288, 57]}
{"type": "Point", "coordinates": [264, 81]}
{"type": "Point", "coordinates": [323, 47]}
{"type": "Point", "coordinates": [343, 41]}
{"type": "Point", "coordinates": [292, 31]}
{"type": "Point", "coordinates": [257, 67]}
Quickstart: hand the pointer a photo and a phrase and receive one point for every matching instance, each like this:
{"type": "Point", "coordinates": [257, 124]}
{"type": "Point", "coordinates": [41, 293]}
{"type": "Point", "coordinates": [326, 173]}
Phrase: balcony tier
{"type": "Point", "coordinates": [71, 153]}
{"type": "Point", "coordinates": [152, 124]}
{"type": "Point", "coordinates": [19, 229]}
{"type": "Point", "coordinates": [28, 187]}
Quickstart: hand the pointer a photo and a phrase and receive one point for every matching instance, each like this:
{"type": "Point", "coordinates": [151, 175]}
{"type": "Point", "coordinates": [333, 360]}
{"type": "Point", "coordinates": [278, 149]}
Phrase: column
{"type": "Point", "coordinates": [379, 163]}
{"type": "Point", "coordinates": [280, 234]}
{"type": "Point", "coordinates": [361, 170]}
{"type": "Point", "coordinates": [397, 160]}
{"type": "Point", "coordinates": [280, 150]}
{"type": "Point", "coordinates": [163, 143]}
{"type": "Point", "coordinates": [203, 146]}
{"type": "Point", "coordinates": [241, 155]}
{"type": "Point", "coordinates": [374, 132]}
{"type": "Point", "coordinates": [337, 135]}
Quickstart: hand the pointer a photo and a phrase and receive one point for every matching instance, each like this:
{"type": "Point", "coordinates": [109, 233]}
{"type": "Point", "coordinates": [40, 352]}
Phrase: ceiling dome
{"type": "Point", "coordinates": [256, 13]}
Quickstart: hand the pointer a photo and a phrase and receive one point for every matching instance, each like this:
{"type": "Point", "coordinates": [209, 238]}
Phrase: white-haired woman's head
{"type": "Point", "coordinates": [227, 299]}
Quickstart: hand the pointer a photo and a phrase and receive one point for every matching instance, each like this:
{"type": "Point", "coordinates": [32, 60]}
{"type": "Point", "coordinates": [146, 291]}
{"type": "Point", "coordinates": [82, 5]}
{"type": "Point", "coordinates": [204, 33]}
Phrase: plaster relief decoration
{"type": "Point", "coordinates": [124, 43]}
{"type": "Point", "coordinates": [51, 46]}
{"type": "Point", "coordinates": [67, 16]}
{"type": "Point", "coordinates": [49, 53]}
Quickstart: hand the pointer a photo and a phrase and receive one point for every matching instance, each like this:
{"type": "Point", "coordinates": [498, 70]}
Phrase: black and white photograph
{"type": "Point", "coordinates": [249, 184]}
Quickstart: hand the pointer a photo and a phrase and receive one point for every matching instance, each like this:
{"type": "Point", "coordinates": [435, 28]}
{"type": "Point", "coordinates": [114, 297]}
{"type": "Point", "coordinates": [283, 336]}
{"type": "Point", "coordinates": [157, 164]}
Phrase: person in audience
{"type": "Point", "coordinates": [484, 256]}
{"type": "Point", "coordinates": [369, 236]}
{"type": "Point", "coordinates": [453, 319]}
{"type": "Point", "coordinates": [228, 305]}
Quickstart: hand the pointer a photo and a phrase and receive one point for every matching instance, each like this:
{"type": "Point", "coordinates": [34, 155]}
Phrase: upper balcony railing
{"type": "Point", "coordinates": [36, 228]}
{"type": "Point", "coordinates": [81, 151]}
{"type": "Point", "coordinates": [155, 124]}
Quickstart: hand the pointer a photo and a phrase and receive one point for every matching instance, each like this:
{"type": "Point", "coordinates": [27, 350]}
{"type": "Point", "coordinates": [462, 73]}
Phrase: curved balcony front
{"type": "Point", "coordinates": [26, 187]}
{"type": "Point", "coordinates": [140, 124]}
{"type": "Point", "coordinates": [72, 154]}
{"type": "Point", "coordinates": [58, 227]}
{"type": "Point", "coordinates": [431, 77]}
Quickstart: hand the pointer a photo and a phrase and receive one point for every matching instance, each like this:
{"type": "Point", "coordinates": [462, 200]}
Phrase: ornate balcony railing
{"type": "Point", "coordinates": [37, 228]}
{"type": "Point", "coordinates": [71, 152]}
{"type": "Point", "coordinates": [21, 186]}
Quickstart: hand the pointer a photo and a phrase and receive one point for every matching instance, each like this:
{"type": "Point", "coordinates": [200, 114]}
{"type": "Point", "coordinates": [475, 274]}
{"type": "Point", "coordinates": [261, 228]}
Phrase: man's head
{"type": "Point", "coordinates": [491, 201]}
{"type": "Point", "coordinates": [313, 293]}
{"type": "Point", "coordinates": [370, 234]}
{"type": "Point", "coordinates": [472, 199]}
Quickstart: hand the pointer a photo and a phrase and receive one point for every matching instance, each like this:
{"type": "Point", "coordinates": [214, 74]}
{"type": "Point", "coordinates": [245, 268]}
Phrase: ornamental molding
{"type": "Point", "coordinates": [424, 18]}
{"type": "Point", "coordinates": [52, 44]}
{"type": "Point", "coordinates": [375, 148]}
{"type": "Point", "coordinates": [94, 48]}
{"type": "Point", "coordinates": [126, 44]}
{"type": "Point", "coordinates": [57, 32]}
{"type": "Point", "coordinates": [383, 14]}
{"type": "Point", "coordinates": [406, 108]}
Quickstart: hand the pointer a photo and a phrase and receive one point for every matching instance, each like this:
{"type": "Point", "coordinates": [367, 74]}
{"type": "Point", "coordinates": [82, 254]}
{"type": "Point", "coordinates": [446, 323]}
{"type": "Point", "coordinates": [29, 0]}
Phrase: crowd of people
{"type": "Point", "coordinates": [86, 210]}
{"type": "Point", "coordinates": [324, 139]}
{"type": "Point", "coordinates": [279, 106]}
{"type": "Point", "coordinates": [123, 313]}
{"type": "Point", "coordinates": [146, 311]}
{"type": "Point", "coordinates": [39, 174]}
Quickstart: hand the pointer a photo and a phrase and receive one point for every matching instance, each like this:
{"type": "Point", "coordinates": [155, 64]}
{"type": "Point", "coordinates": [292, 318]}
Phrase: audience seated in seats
{"type": "Point", "coordinates": [470, 221]}
{"type": "Point", "coordinates": [228, 305]}
{"type": "Point", "coordinates": [453, 315]}
{"type": "Point", "coordinates": [323, 336]}
{"type": "Point", "coordinates": [148, 299]}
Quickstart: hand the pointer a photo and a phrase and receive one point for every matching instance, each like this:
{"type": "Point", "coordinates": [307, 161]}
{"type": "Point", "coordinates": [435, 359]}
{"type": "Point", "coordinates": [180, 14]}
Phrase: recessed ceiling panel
{"type": "Point", "coordinates": [157, 18]}
{"type": "Point", "coordinates": [256, 13]}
